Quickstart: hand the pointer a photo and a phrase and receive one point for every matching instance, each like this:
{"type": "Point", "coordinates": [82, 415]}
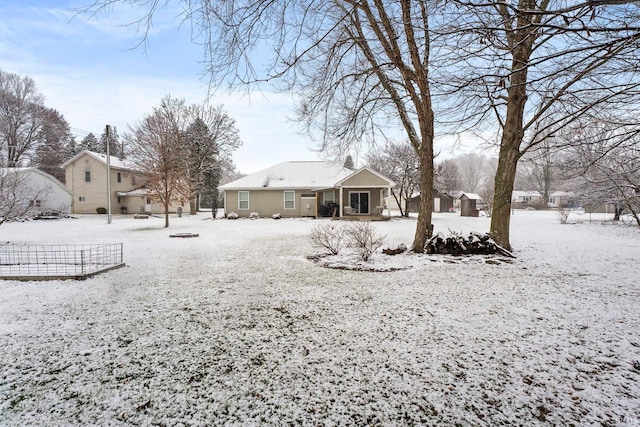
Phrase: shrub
{"type": "Point", "coordinates": [328, 236]}
{"type": "Point", "coordinates": [254, 215]}
{"type": "Point", "coordinates": [232, 215]}
{"type": "Point", "coordinates": [363, 238]}
{"type": "Point", "coordinates": [276, 216]}
{"type": "Point", "coordinates": [101, 210]}
{"type": "Point", "coordinates": [563, 214]}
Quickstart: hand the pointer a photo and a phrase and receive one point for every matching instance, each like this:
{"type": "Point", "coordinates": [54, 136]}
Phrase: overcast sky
{"type": "Point", "coordinates": [92, 72]}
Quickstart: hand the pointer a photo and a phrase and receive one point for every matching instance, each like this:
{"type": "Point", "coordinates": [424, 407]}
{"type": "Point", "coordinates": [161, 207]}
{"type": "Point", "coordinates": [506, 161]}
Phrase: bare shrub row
{"type": "Point", "coordinates": [360, 236]}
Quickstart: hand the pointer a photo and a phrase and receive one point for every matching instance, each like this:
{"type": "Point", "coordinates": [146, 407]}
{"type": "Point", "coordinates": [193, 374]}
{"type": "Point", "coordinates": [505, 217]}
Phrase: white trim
{"type": "Point", "coordinates": [285, 199]}
{"type": "Point", "coordinates": [239, 208]}
{"type": "Point", "coordinates": [376, 173]}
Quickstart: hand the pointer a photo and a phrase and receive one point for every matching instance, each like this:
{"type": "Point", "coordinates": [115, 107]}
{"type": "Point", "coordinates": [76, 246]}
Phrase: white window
{"type": "Point", "coordinates": [289, 199]}
{"type": "Point", "coordinates": [243, 200]}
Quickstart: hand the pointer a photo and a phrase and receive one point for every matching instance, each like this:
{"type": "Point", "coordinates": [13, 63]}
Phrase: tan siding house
{"type": "Point", "coordinates": [307, 189]}
{"type": "Point", "coordinates": [86, 177]}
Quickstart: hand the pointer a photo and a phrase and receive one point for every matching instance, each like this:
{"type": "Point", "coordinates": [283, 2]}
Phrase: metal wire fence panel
{"type": "Point", "coordinates": [58, 261]}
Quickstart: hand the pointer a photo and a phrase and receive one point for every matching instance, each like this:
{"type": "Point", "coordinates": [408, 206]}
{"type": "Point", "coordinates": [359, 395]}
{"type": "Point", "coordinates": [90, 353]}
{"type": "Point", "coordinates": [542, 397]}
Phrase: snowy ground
{"type": "Point", "coordinates": [237, 327]}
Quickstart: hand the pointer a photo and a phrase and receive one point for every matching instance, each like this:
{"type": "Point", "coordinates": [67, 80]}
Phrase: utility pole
{"type": "Point", "coordinates": [108, 176]}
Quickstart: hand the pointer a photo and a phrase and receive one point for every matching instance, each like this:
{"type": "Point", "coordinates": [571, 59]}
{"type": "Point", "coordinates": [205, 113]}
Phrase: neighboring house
{"type": "Point", "coordinates": [523, 199]}
{"type": "Point", "coordinates": [560, 198]}
{"type": "Point", "coordinates": [86, 176]}
{"type": "Point", "coordinates": [52, 195]}
{"type": "Point", "coordinates": [307, 189]}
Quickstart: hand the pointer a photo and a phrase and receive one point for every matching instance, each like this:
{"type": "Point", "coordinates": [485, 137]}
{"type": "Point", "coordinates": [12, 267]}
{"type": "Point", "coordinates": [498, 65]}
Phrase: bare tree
{"type": "Point", "coordinates": [19, 197]}
{"type": "Point", "coordinates": [606, 169]}
{"type": "Point", "coordinates": [473, 172]}
{"type": "Point", "coordinates": [356, 66]}
{"type": "Point", "coordinates": [399, 162]}
{"type": "Point", "coordinates": [157, 144]}
{"type": "Point", "coordinates": [22, 117]}
{"type": "Point", "coordinates": [533, 67]}
{"type": "Point", "coordinates": [447, 177]}
{"type": "Point", "coordinates": [540, 169]}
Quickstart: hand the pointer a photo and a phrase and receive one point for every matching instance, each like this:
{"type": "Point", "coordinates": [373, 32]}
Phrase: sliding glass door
{"type": "Point", "coordinates": [359, 201]}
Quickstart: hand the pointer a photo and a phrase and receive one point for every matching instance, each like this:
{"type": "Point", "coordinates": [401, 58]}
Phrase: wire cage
{"type": "Point", "coordinates": [54, 262]}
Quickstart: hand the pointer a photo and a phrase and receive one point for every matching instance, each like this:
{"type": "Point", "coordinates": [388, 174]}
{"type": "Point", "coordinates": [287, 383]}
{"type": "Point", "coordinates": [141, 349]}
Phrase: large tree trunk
{"type": "Point", "coordinates": [503, 188]}
{"type": "Point", "coordinates": [166, 214]}
{"type": "Point", "coordinates": [512, 133]}
{"type": "Point", "coordinates": [192, 205]}
{"type": "Point", "coordinates": [426, 197]}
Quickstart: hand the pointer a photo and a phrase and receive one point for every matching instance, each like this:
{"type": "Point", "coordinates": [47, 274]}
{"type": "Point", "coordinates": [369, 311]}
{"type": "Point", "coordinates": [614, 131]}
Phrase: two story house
{"type": "Point", "coordinates": [86, 177]}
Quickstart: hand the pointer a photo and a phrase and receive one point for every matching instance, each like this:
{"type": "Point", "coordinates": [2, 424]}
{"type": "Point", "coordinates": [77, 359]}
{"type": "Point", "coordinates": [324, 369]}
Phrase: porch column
{"type": "Point", "coordinates": [341, 204]}
{"type": "Point", "coordinates": [389, 199]}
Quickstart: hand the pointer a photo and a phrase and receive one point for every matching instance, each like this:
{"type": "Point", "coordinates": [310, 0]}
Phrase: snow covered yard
{"type": "Point", "coordinates": [236, 327]}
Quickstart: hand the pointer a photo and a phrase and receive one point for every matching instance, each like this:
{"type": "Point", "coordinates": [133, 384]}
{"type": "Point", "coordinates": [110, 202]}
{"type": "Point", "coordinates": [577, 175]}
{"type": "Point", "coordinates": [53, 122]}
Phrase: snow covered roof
{"type": "Point", "coordinates": [53, 179]}
{"type": "Point", "coordinates": [470, 196]}
{"type": "Point", "coordinates": [115, 162]}
{"type": "Point", "coordinates": [561, 194]}
{"type": "Point", "coordinates": [530, 193]}
{"type": "Point", "coordinates": [291, 175]}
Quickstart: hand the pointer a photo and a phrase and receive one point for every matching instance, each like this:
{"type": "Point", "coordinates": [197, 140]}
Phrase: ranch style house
{"type": "Point", "coordinates": [308, 189]}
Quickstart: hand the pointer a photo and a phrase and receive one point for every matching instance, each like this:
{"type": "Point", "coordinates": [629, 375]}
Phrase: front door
{"type": "Point", "coordinates": [359, 201]}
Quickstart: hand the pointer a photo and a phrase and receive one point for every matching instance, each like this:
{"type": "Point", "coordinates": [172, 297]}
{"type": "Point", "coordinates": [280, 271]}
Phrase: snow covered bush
{"type": "Point", "coordinates": [232, 215]}
{"type": "Point", "coordinates": [254, 215]}
{"type": "Point", "coordinates": [328, 236]}
{"type": "Point", "coordinates": [363, 238]}
{"type": "Point", "coordinates": [276, 216]}
{"type": "Point", "coordinates": [563, 214]}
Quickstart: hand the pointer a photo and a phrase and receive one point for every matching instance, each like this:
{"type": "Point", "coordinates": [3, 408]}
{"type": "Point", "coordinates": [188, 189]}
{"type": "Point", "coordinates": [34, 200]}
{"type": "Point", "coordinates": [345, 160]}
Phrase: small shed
{"type": "Point", "coordinates": [468, 204]}
{"type": "Point", "coordinates": [442, 201]}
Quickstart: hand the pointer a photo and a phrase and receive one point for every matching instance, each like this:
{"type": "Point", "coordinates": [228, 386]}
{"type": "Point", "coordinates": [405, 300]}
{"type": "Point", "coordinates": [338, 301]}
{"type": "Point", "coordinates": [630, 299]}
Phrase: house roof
{"type": "Point", "coordinates": [115, 162]}
{"type": "Point", "coordinates": [470, 196]}
{"type": "Point", "coordinates": [53, 179]}
{"type": "Point", "coordinates": [561, 194]}
{"type": "Point", "coordinates": [292, 175]}
{"type": "Point", "coordinates": [374, 172]}
{"type": "Point", "coordinates": [531, 193]}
